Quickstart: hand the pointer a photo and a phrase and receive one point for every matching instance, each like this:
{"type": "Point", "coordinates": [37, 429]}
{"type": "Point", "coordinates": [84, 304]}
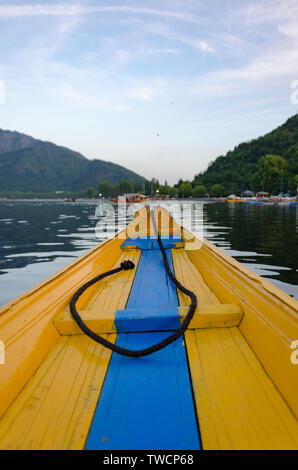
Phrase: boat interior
{"type": "Point", "coordinates": [233, 384]}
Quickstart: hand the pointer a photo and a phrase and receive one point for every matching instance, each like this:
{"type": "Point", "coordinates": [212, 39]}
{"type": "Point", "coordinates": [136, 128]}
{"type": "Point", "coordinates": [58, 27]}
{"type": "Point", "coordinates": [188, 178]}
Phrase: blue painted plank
{"type": "Point", "coordinates": [147, 319]}
{"type": "Point", "coordinates": [152, 287]}
{"type": "Point", "coordinates": [151, 243]}
{"type": "Point", "coordinates": [146, 403]}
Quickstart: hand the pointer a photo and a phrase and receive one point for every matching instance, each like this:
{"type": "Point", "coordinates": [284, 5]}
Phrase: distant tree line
{"type": "Point", "coordinates": [273, 175]}
{"type": "Point", "coordinates": [269, 163]}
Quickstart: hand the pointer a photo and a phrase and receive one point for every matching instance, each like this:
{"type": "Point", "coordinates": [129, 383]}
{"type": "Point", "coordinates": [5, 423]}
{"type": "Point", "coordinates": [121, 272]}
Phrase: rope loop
{"type": "Point", "coordinates": [124, 266]}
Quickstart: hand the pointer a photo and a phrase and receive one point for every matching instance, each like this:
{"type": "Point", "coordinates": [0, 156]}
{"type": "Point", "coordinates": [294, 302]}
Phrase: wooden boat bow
{"type": "Point", "coordinates": [229, 383]}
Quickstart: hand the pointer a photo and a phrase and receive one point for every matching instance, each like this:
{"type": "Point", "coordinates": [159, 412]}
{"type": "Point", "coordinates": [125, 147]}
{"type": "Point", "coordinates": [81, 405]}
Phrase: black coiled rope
{"type": "Point", "coordinates": [125, 265]}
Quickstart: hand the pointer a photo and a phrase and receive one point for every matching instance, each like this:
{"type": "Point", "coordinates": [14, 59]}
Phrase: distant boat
{"type": "Point", "coordinates": [233, 198]}
{"type": "Point", "coordinates": [283, 203]}
{"type": "Point", "coordinates": [130, 198]}
{"type": "Point", "coordinates": [263, 199]}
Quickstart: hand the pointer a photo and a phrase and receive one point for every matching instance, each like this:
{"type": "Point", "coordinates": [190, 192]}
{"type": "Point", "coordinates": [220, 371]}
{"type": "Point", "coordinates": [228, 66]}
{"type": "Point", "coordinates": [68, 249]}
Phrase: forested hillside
{"type": "Point", "coordinates": [30, 165]}
{"type": "Point", "coordinates": [255, 164]}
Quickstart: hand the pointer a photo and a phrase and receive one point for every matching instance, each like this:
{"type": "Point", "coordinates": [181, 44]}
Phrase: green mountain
{"type": "Point", "coordinates": [241, 168]}
{"type": "Point", "coordinates": [27, 164]}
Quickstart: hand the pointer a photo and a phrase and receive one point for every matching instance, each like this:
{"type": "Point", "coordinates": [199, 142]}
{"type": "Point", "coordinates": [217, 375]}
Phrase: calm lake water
{"type": "Point", "coordinates": [37, 238]}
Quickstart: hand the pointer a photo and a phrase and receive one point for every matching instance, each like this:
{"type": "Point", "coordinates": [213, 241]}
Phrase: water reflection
{"type": "Point", "coordinates": [264, 238]}
{"type": "Point", "coordinates": [38, 238]}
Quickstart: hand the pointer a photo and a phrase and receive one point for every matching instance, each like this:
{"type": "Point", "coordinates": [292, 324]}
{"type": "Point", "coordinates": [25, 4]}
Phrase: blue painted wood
{"type": "Point", "coordinates": [147, 403]}
{"type": "Point", "coordinates": [147, 319]}
{"type": "Point", "coordinates": [152, 287]}
{"type": "Point", "coordinates": [151, 243]}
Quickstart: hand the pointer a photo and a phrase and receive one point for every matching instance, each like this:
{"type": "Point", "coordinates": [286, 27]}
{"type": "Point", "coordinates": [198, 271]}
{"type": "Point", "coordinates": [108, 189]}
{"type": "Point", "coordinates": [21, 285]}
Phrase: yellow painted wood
{"type": "Point", "coordinates": [191, 278]}
{"type": "Point", "coordinates": [98, 310]}
{"type": "Point", "coordinates": [258, 415]}
{"type": "Point", "coordinates": [214, 316]}
{"type": "Point", "coordinates": [112, 292]}
{"type": "Point", "coordinates": [26, 326]}
{"type": "Point", "coordinates": [99, 321]}
{"type": "Point", "coordinates": [141, 226]}
{"type": "Point", "coordinates": [165, 223]}
{"type": "Point", "coordinates": [131, 247]}
{"type": "Point", "coordinates": [103, 321]}
{"type": "Point", "coordinates": [56, 407]}
{"type": "Point", "coordinates": [237, 404]}
{"type": "Point", "coordinates": [270, 320]}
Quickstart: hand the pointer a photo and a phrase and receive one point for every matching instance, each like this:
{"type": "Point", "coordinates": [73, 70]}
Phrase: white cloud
{"type": "Point", "coordinates": [70, 10]}
{"type": "Point", "coordinates": [266, 12]}
{"type": "Point", "coordinates": [160, 29]}
{"type": "Point", "coordinates": [125, 56]}
{"type": "Point", "coordinates": [268, 65]}
{"type": "Point", "coordinates": [87, 100]}
{"type": "Point", "coordinates": [146, 91]}
{"type": "Point", "coordinates": [67, 91]}
{"type": "Point", "coordinates": [2, 92]}
{"type": "Point", "coordinates": [141, 93]}
{"type": "Point", "coordinates": [162, 51]}
{"type": "Point", "coordinates": [261, 73]}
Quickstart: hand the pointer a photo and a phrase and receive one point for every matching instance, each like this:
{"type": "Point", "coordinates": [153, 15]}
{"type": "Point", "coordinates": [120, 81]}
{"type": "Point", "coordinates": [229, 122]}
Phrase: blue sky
{"type": "Point", "coordinates": [161, 87]}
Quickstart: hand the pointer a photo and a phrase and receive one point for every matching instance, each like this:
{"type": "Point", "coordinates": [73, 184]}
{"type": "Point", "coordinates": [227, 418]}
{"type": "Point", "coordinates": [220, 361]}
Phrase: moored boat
{"type": "Point", "coordinates": [130, 198]}
{"type": "Point", "coordinates": [233, 198]}
{"type": "Point", "coordinates": [229, 382]}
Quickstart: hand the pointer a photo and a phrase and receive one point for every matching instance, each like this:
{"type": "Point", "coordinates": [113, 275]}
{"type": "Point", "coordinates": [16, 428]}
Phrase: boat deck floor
{"type": "Point", "coordinates": [238, 406]}
{"type": "Point", "coordinates": [56, 407]}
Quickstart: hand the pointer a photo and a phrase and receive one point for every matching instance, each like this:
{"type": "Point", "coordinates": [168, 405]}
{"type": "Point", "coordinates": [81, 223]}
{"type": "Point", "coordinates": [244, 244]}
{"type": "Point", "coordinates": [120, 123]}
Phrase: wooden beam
{"type": "Point", "coordinates": [214, 316]}
{"type": "Point", "coordinates": [97, 321]}
{"type": "Point", "coordinates": [207, 316]}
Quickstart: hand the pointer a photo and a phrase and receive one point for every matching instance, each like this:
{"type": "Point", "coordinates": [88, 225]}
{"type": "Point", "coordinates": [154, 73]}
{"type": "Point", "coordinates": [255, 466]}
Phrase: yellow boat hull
{"type": "Point", "coordinates": [239, 347]}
